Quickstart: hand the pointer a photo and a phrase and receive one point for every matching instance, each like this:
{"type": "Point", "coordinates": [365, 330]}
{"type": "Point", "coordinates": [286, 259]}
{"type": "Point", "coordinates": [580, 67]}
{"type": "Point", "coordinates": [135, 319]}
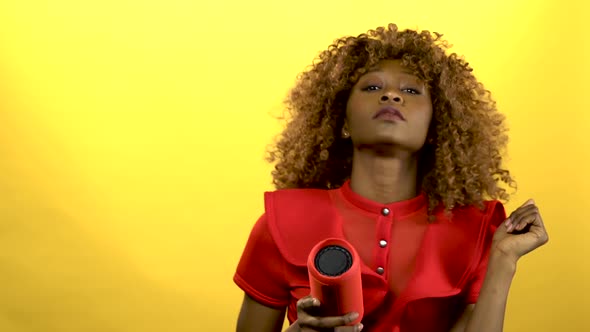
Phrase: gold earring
{"type": "Point", "coordinates": [345, 133]}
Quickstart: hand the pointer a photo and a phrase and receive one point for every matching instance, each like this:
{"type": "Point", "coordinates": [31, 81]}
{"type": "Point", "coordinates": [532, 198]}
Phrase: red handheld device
{"type": "Point", "coordinates": [335, 278]}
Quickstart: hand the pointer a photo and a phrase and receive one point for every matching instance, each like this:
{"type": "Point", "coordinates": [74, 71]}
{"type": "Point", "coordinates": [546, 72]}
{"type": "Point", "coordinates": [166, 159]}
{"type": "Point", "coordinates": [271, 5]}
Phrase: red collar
{"type": "Point", "coordinates": [398, 209]}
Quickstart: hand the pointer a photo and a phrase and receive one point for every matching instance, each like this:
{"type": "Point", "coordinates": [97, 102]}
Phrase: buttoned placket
{"type": "Point", "coordinates": [383, 232]}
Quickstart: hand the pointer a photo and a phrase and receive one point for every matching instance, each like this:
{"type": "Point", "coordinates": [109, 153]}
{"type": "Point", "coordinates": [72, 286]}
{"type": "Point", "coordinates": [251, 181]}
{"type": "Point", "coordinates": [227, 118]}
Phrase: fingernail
{"type": "Point", "coordinates": [507, 222]}
{"type": "Point", "coordinates": [361, 327]}
{"type": "Point", "coordinates": [354, 315]}
{"type": "Point", "coordinates": [316, 302]}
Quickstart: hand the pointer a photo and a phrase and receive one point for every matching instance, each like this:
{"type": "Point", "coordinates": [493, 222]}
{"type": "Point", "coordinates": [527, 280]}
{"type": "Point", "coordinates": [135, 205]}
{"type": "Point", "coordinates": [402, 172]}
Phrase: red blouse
{"type": "Point", "coordinates": [417, 275]}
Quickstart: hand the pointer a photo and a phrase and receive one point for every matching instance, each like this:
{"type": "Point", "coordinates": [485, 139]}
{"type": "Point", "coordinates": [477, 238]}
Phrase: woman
{"type": "Point", "coordinates": [394, 146]}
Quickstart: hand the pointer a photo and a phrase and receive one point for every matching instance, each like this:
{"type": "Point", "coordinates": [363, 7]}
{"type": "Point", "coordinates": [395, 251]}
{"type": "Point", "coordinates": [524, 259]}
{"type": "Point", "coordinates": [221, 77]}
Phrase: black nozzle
{"type": "Point", "coordinates": [333, 261]}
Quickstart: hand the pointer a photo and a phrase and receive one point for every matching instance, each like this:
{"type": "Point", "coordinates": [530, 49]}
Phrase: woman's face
{"type": "Point", "coordinates": [389, 106]}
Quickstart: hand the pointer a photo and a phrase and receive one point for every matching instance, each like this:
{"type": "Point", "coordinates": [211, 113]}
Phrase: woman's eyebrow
{"type": "Point", "coordinates": [408, 72]}
{"type": "Point", "coordinates": [403, 71]}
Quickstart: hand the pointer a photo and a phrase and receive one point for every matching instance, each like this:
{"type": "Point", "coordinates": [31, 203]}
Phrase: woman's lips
{"type": "Point", "coordinates": [389, 113]}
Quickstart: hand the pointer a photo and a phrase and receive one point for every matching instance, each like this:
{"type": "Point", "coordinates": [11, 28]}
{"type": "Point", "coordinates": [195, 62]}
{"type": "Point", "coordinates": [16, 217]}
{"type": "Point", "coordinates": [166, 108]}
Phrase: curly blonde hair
{"type": "Point", "coordinates": [462, 162]}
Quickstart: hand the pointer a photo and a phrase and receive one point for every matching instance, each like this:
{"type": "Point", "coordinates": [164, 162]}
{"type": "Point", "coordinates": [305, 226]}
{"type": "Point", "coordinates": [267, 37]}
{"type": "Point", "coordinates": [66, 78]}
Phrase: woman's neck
{"type": "Point", "coordinates": [384, 178]}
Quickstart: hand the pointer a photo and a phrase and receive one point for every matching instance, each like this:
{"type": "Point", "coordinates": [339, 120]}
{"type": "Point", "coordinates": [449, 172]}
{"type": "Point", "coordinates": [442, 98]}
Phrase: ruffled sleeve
{"type": "Point", "coordinates": [261, 269]}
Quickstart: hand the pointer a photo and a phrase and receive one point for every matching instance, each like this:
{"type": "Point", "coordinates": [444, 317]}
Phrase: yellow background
{"type": "Point", "coordinates": [132, 137]}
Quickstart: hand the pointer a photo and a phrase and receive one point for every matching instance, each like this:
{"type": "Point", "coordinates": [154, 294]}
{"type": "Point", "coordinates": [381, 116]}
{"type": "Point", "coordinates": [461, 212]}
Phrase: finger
{"type": "Point", "coordinates": [521, 210]}
{"type": "Point", "coordinates": [517, 216]}
{"type": "Point", "coordinates": [305, 329]}
{"type": "Point", "coordinates": [524, 220]}
{"type": "Point", "coordinates": [540, 233]}
{"type": "Point", "coordinates": [528, 202]}
{"type": "Point", "coordinates": [355, 328]}
{"type": "Point", "coordinates": [306, 303]}
{"type": "Point", "coordinates": [514, 215]}
{"type": "Point", "coordinates": [533, 224]}
{"type": "Point", "coordinates": [536, 228]}
{"type": "Point", "coordinates": [327, 322]}
{"type": "Point", "coordinates": [531, 240]}
{"type": "Point", "coordinates": [530, 224]}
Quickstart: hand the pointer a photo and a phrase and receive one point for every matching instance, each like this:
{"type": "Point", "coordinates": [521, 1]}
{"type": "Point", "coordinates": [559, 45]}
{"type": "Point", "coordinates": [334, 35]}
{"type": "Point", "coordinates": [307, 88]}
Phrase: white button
{"type": "Point", "coordinates": [382, 243]}
{"type": "Point", "coordinates": [380, 270]}
{"type": "Point", "coordinates": [385, 211]}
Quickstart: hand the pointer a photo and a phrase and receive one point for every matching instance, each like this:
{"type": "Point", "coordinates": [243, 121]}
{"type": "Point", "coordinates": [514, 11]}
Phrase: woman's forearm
{"type": "Point", "coordinates": [488, 314]}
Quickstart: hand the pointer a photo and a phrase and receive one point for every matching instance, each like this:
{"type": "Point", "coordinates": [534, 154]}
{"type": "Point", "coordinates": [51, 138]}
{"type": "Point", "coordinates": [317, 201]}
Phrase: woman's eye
{"type": "Point", "coordinates": [412, 91]}
{"type": "Point", "coordinates": [371, 88]}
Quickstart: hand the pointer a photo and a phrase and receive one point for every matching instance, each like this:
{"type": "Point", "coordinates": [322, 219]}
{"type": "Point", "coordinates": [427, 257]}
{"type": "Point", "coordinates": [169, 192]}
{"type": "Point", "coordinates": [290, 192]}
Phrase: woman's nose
{"type": "Point", "coordinates": [392, 96]}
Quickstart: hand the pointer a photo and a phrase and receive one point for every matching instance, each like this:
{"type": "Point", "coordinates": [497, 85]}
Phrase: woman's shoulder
{"type": "Point", "coordinates": [486, 207]}
{"type": "Point", "coordinates": [489, 214]}
{"type": "Point", "coordinates": [296, 197]}
{"type": "Point", "coordinates": [288, 205]}
{"type": "Point", "coordinates": [299, 218]}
